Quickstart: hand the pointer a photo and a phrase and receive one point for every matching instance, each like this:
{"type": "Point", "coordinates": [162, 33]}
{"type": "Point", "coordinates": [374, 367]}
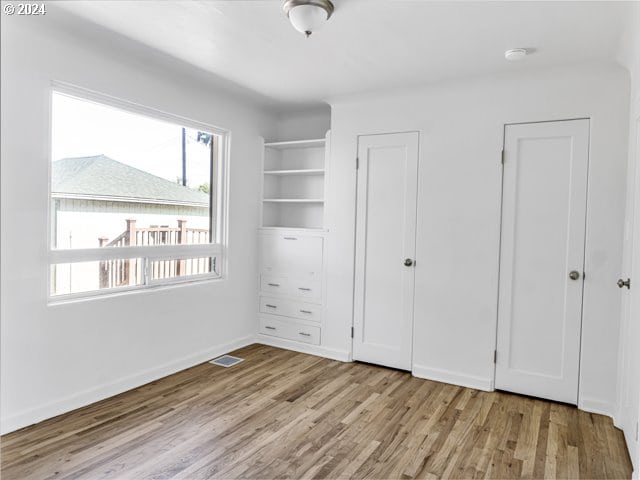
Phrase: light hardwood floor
{"type": "Point", "coordinates": [282, 414]}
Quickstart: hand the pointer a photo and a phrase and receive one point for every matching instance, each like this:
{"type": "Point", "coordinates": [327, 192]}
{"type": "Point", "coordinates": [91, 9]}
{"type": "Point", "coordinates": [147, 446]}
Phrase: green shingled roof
{"type": "Point", "coordinates": [103, 177]}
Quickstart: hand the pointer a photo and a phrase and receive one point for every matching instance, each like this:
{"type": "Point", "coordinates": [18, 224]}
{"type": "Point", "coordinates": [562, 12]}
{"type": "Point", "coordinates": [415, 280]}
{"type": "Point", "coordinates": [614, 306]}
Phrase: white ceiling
{"type": "Point", "coordinates": [367, 45]}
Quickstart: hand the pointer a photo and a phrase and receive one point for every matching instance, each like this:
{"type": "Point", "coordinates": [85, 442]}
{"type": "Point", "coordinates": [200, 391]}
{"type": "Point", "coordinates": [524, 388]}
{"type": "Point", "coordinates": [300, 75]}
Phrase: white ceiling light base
{"type": "Point", "coordinates": [307, 16]}
{"type": "Point", "coordinates": [515, 54]}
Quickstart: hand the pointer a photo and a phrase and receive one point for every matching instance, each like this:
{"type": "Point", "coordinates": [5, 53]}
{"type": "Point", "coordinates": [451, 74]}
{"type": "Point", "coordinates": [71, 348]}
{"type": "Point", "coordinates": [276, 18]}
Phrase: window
{"type": "Point", "coordinates": [136, 197]}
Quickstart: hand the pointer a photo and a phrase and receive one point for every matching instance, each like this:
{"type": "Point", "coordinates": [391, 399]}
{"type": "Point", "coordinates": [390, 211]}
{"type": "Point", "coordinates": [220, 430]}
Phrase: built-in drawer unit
{"type": "Point", "coordinates": [290, 330]}
{"type": "Point", "coordinates": [290, 308]}
{"type": "Point", "coordinates": [291, 284]}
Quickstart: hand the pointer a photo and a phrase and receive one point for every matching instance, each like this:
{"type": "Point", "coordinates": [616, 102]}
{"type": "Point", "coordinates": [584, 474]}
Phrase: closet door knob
{"type": "Point", "coordinates": [574, 275]}
{"type": "Point", "coordinates": [408, 262]}
{"type": "Point", "coordinates": [624, 283]}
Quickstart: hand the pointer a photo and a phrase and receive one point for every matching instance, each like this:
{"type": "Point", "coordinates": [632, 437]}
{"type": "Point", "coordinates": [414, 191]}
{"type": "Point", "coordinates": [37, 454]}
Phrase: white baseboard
{"type": "Point", "coordinates": [596, 406]}
{"type": "Point", "coordinates": [332, 353]}
{"type": "Point", "coordinates": [87, 397]}
{"type": "Point", "coordinates": [454, 378]}
{"type": "Point", "coordinates": [617, 418]}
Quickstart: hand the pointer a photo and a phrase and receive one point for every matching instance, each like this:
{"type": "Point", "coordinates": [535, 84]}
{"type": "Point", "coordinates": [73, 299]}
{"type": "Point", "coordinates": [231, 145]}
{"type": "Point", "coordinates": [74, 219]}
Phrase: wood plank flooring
{"type": "Point", "coordinates": [282, 414]}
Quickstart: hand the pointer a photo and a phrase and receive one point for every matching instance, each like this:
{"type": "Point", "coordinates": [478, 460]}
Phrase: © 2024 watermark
{"type": "Point", "coordinates": [31, 9]}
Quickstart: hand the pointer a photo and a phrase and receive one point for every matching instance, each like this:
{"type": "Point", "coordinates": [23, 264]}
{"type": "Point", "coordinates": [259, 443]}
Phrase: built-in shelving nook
{"type": "Point", "coordinates": [292, 244]}
{"type": "Point", "coordinates": [294, 174]}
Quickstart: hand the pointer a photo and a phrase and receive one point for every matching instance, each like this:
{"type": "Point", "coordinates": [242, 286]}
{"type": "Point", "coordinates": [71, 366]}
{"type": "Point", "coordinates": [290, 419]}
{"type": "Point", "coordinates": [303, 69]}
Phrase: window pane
{"type": "Point", "coordinates": [121, 179]}
{"type": "Point", "coordinates": [69, 278]}
{"type": "Point", "coordinates": [81, 277]}
{"type": "Point", "coordinates": [166, 269]}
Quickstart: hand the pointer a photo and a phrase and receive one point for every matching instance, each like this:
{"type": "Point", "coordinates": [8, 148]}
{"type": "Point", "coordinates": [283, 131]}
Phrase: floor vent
{"type": "Point", "coordinates": [226, 361]}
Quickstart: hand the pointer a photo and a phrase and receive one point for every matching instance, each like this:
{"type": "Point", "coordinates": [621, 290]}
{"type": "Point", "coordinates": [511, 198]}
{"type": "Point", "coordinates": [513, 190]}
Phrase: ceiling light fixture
{"type": "Point", "coordinates": [515, 54]}
{"type": "Point", "coordinates": [307, 16]}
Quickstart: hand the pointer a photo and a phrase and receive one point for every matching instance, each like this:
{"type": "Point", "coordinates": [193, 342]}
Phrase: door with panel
{"type": "Point", "coordinates": [385, 248]}
{"type": "Point", "coordinates": [629, 394]}
{"type": "Point", "coordinates": [542, 258]}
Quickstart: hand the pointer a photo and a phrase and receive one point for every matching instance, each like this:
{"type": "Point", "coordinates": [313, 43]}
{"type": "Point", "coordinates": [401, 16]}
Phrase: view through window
{"type": "Point", "coordinates": [132, 196]}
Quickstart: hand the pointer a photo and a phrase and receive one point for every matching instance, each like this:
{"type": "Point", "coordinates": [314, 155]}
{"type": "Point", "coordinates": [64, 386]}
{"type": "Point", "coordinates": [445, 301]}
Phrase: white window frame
{"type": "Point", "coordinates": [217, 248]}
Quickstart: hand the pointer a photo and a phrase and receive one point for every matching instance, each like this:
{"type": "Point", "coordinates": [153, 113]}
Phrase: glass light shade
{"type": "Point", "coordinates": [307, 18]}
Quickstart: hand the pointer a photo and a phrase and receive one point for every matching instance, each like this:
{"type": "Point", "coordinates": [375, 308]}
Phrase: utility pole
{"type": "Point", "coordinates": [184, 157]}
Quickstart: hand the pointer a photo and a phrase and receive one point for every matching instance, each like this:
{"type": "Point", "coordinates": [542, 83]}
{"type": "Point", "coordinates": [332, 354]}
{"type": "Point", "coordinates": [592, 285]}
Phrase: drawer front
{"type": "Point", "coordinates": [305, 288]}
{"type": "Point", "coordinates": [273, 284]}
{"type": "Point", "coordinates": [274, 306]}
{"type": "Point", "coordinates": [290, 308]}
{"type": "Point", "coordinates": [273, 328]}
{"type": "Point", "coordinates": [291, 254]}
{"type": "Point", "coordinates": [307, 334]}
{"type": "Point", "coordinates": [295, 287]}
{"type": "Point", "coordinates": [290, 330]}
{"type": "Point", "coordinates": [306, 311]}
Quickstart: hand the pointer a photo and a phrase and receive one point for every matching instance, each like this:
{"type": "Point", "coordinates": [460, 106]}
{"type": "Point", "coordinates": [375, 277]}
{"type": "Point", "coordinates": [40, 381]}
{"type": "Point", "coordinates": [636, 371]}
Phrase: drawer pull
{"type": "Point", "coordinates": [304, 334]}
{"type": "Point", "coordinates": [290, 238]}
{"type": "Point", "coordinates": [269, 328]}
{"type": "Point", "coordinates": [270, 306]}
{"type": "Point", "coordinates": [304, 289]}
{"type": "Point", "coordinates": [306, 311]}
{"type": "Point", "coordinates": [273, 284]}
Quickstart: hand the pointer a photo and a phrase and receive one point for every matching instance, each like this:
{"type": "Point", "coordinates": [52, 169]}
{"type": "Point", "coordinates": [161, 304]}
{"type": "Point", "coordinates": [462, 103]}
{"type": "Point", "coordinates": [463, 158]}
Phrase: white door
{"type": "Point", "coordinates": [542, 258]}
{"type": "Point", "coordinates": [630, 384]}
{"type": "Point", "coordinates": [385, 248]}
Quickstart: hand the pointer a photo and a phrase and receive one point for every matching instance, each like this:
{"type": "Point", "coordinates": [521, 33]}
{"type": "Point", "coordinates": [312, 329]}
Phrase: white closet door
{"type": "Point", "coordinates": [385, 241]}
{"type": "Point", "coordinates": [629, 416]}
{"type": "Point", "coordinates": [542, 258]}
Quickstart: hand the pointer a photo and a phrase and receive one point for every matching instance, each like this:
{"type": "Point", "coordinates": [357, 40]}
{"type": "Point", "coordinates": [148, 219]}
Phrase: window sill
{"type": "Point", "coordinates": [53, 301]}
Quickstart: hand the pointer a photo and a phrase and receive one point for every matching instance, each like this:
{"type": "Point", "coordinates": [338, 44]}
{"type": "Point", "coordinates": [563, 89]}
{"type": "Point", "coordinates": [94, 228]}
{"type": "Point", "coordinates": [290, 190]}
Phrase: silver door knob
{"type": "Point", "coordinates": [574, 275]}
{"type": "Point", "coordinates": [624, 283]}
{"type": "Point", "coordinates": [408, 262]}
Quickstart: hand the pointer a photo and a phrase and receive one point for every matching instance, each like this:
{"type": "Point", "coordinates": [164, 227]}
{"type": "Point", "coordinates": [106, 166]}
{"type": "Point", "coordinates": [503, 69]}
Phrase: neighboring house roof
{"type": "Point", "coordinates": [102, 178]}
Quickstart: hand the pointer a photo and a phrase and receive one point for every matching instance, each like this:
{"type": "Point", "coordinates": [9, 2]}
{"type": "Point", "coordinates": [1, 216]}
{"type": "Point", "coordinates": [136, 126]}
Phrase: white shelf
{"type": "Point", "coordinates": [293, 200]}
{"type": "Point", "coordinates": [308, 171]}
{"type": "Point", "coordinates": [293, 184]}
{"type": "Point", "coordinates": [316, 142]}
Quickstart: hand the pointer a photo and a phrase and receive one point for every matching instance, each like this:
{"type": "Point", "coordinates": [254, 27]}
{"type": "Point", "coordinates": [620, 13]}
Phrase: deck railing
{"type": "Point", "coordinates": [118, 273]}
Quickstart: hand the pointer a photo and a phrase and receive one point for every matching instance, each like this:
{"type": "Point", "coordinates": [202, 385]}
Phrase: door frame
{"type": "Point", "coordinates": [500, 236]}
{"type": "Point", "coordinates": [355, 234]}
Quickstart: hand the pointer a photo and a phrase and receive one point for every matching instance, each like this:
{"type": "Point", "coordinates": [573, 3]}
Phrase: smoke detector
{"type": "Point", "coordinates": [515, 54]}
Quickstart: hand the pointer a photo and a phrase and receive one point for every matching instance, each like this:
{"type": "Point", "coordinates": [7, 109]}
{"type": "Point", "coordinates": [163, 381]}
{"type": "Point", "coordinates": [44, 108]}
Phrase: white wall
{"type": "Point", "coordinates": [461, 128]}
{"type": "Point", "coordinates": [628, 405]}
{"type": "Point", "coordinates": [303, 124]}
{"type": "Point", "coordinates": [55, 358]}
